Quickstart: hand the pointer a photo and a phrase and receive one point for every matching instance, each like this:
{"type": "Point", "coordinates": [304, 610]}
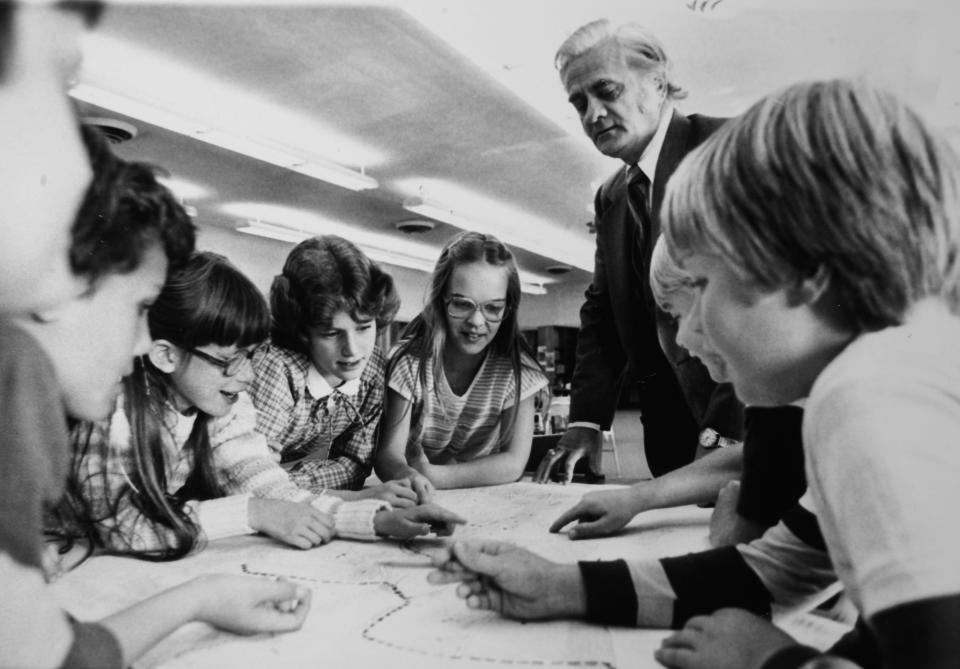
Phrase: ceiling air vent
{"type": "Point", "coordinates": [414, 226]}
{"type": "Point", "coordinates": [559, 269]}
{"type": "Point", "coordinates": [116, 132]}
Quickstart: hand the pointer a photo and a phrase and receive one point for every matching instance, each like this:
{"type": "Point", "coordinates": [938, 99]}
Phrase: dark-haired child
{"type": "Point", "coordinates": [72, 356]}
{"type": "Point", "coordinates": [319, 384]}
{"type": "Point", "coordinates": [462, 382]}
{"type": "Point", "coordinates": [180, 459]}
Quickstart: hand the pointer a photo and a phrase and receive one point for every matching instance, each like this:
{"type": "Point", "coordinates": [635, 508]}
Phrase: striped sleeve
{"type": "Point", "coordinates": [243, 461]}
{"type": "Point", "coordinates": [792, 561]}
{"type": "Point", "coordinates": [403, 378]}
{"type": "Point", "coordinates": [222, 517]}
{"type": "Point", "coordinates": [531, 378]}
{"type": "Point", "coordinates": [787, 567]}
{"type": "Point", "coordinates": [354, 519]}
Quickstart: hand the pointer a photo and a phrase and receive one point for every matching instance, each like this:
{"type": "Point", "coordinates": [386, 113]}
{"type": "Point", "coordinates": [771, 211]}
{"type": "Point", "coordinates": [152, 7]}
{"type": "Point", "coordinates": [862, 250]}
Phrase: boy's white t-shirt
{"type": "Point", "coordinates": [882, 439]}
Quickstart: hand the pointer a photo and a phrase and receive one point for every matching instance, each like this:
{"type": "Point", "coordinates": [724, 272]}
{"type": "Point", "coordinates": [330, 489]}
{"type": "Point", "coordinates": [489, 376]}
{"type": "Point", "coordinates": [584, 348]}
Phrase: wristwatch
{"type": "Point", "coordinates": [710, 439]}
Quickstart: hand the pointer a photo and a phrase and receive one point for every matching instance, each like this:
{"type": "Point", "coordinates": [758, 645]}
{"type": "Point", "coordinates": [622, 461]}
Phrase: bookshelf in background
{"type": "Point", "coordinates": [556, 349]}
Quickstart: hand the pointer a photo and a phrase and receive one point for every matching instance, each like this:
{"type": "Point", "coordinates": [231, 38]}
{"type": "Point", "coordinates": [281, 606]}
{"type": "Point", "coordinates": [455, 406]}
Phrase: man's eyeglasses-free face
{"type": "Point", "coordinates": [463, 307]}
{"type": "Point", "coordinates": [232, 365]}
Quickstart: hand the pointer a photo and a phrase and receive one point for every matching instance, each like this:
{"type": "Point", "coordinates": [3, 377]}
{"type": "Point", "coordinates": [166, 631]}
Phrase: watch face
{"type": "Point", "coordinates": [709, 438]}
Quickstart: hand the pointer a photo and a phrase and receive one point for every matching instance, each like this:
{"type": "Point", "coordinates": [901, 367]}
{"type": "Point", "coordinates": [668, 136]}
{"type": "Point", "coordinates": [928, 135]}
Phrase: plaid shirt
{"type": "Point", "coordinates": [326, 441]}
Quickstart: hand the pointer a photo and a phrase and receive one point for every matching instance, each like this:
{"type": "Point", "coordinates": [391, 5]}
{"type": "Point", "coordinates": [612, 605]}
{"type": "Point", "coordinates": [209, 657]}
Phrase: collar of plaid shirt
{"type": "Point", "coordinates": [320, 388]}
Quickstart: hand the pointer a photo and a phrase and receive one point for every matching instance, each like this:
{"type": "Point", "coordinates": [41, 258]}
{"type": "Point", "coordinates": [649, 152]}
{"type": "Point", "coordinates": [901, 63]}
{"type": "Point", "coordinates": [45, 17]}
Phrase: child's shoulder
{"type": "Point", "coordinates": [404, 360]}
{"type": "Point", "coordinates": [20, 351]}
{"type": "Point", "coordinates": [279, 362]}
{"type": "Point", "coordinates": [500, 367]}
{"type": "Point", "coordinates": [276, 354]}
{"type": "Point", "coordinates": [922, 351]}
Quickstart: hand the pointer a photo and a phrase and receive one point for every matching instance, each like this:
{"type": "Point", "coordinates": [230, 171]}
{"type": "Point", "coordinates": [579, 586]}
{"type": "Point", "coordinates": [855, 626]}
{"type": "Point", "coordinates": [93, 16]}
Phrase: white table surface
{"type": "Point", "coordinates": [369, 614]}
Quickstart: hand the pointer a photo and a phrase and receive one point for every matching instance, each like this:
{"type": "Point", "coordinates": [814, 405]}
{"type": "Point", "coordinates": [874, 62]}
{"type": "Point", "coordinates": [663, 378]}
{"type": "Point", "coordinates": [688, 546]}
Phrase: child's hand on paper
{"type": "Point", "coordinates": [598, 514]}
{"type": "Point", "coordinates": [727, 527]}
{"type": "Point", "coordinates": [399, 493]}
{"type": "Point", "coordinates": [294, 523]}
{"type": "Point", "coordinates": [245, 605]}
{"type": "Point", "coordinates": [422, 486]}
{"type": "Point", "coordinates": [416, 521]}
{"type": "Point", "coordinates": [727, 639]}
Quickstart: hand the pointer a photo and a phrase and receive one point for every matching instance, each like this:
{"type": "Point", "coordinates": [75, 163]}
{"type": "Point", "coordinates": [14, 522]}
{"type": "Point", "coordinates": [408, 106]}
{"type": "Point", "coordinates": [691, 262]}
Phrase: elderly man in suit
{"type": "Point", "coordinates": [618, 80]}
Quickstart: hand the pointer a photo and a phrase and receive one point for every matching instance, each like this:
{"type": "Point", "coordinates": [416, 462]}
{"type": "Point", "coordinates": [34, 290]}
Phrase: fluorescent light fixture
{"type": "Point", "coordinates": [297, 225]}
{"type": "Point", "coordinates": [183, 189]}
{"type": "Point", "coordinates": [257, 148]}
{"type": "Point", "coordinates": [436, 211]}
{"type": "Point", "coordinates": [156, 89]}
{"type": "Point", "coordinates": [533, 288]}
{"type": "Point", "coordinates": [513, 226]}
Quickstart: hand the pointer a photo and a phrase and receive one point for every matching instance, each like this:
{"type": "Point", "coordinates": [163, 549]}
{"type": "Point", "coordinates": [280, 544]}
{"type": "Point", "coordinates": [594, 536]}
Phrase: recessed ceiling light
{"type": "Point", "coordinates": [115, 130]}
{"type": "Point", "coordinates": [414, 226]}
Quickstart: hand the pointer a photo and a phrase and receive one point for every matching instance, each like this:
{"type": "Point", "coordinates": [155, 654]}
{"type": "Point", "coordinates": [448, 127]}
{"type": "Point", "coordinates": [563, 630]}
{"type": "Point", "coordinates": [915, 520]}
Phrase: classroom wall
{"type": "Point", "coordinates": [262, 259]}
{"type": "Point", "coordinates": [560, 306]}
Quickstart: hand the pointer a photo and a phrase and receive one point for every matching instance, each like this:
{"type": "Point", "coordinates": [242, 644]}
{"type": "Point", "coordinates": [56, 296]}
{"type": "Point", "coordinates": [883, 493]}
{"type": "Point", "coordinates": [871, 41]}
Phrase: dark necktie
{"type": "Point", "coordinates": [638, 202]}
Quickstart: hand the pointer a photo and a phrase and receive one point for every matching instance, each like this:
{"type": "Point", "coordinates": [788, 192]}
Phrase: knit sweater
{"type": "Point", "coordinates": [243, 465]}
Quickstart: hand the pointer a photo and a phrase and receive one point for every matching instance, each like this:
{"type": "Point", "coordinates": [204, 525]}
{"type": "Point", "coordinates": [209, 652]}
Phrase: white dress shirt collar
{"type": "Point", "coordinates": [651, 154]}
{"type": "Point", "coordinates": [320, 388]}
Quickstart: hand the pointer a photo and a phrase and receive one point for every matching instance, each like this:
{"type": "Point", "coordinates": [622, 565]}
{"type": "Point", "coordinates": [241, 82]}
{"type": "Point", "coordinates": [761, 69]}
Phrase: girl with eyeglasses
{"type": "Point", "coordinates": [461, 383]}
{"type": "Point", "coordinates": [180, 461]}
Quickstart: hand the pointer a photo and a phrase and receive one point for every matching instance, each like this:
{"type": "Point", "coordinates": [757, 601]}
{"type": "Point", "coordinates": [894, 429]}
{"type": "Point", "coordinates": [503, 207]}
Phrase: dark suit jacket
{"type": "Point", "coordinates": [619, 320]}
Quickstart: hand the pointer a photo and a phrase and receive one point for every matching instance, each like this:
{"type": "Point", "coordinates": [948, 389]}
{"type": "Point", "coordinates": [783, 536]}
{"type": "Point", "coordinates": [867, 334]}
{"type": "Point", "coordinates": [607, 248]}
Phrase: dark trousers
{"type": "Point", "coordinates": [670, 431]}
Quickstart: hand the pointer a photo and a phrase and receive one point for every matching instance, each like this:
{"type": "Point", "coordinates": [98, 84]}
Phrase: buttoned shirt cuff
{"type": "Point", "coordinates": [353, 519]}
{"type": "Point", "coordinates": [583, 423]}
{"type": "Point", "coordinates": [224, 517]}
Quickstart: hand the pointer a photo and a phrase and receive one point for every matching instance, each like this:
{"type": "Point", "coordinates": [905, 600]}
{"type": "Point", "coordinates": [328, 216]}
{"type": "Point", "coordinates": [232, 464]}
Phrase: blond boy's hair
{"type": "Point", "coordinates": [829, 177]}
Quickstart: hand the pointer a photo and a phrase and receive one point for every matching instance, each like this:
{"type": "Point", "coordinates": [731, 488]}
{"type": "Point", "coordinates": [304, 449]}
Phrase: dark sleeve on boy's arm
{"type": "Point", "coordinates": [702, 582]}
{"type": "Point", "coordinates": [773, 476]}
{"type": "Point", "coordinates": [924, 633]}
{"type": "Point", "coordinates": [94, 647]}
{"type": "Point", "coordinates": [611, 595]}
{"type": "Point", "coordinates": [714, 579]}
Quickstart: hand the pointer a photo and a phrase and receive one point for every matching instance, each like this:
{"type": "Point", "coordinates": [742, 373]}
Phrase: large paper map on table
{"type": "Point", "coordinates": [370, 612]}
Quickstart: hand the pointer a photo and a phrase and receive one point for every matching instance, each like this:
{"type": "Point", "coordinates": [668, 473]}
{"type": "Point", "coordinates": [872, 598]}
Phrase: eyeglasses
{"type": "Point", "coordinates": [464, 307]}
{"type": "Point", "coordinates": [232, 365]}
